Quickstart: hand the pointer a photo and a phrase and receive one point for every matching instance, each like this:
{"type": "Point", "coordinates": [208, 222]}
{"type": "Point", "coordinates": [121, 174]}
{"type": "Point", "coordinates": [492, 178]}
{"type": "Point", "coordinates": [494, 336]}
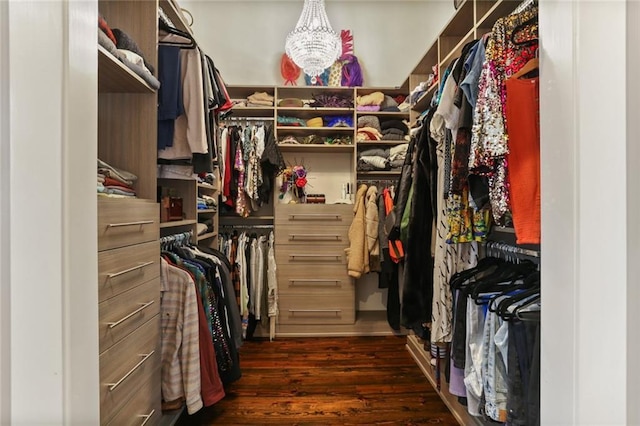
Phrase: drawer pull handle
{"type": "Point", "coordinates": [316, 311]}
{"type": "Point", "coordinates": [316, 216]}
{"type": "Point", "coordinates": [126, 271]}
{"type": "Point", "coordinates": [121, 320]}
{"type": "Point", "coordinates": [120, 225]}
{"type": "Point", "coordinates": [329, 237]}
{"type": "Point", "coordinates": [311, 281]}
{"type": "Point", "coordinates": [314, 256]}
{"type": "Point", "coordinates": [147, 417]}
{"type": "Point", "coordinates": [113, 386]}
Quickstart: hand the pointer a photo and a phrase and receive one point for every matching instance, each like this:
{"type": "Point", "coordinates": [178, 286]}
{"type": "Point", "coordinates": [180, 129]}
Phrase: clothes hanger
{"type": "Point", "coordinates": [175, 37]}
{"type": "Point", "coordinates": [521, 27]}
{"type": "Point", "coordinates": [530, 66]}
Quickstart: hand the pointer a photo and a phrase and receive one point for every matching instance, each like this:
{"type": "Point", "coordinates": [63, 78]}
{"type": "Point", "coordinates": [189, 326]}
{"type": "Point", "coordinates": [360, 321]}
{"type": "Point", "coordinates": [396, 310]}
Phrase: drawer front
{"type": "Point", "coordinates": [313, 256]}
{"type": "Point", "coordinates": [332, 281]}
{"type": "Point", "coordinates": [312, 234]}
{"type": "Point", "coordinates": [126, 365]}
{"type": "Point", "coordinates": [124, 268]}
{"type": "Point", "coordinates": [144, 408]}
{"type": "Point", "coordinates": [337, 214]}
{"type": "Point", "coordinates": [121, 315]}
{"type": "Point", "coordinates": [126, 222]}
{"type": "Point", "coordinates": [316, 310]}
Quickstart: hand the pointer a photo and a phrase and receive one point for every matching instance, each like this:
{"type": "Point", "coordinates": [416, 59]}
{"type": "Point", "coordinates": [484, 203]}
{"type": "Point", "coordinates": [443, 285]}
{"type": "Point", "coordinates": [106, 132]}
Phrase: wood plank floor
{"type": "Point", "coordinates": [321, 381]}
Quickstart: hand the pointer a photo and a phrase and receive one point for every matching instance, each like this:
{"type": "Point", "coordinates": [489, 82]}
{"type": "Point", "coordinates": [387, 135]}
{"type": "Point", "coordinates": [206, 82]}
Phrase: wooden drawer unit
{"type": "Point", "coordinates": [126, 222]}
{"type": "Point", "coordinates": [311, 255]}
{"type": "Point", "coordinates": [324, 234]}
{"type": "Point", "coordinates": [301, 309]}
{"type": "Point", "coordinates": [305, 214]}
{"type": "Point", "coordinates": [126, 366]}
{"type": "Point", "coordinates": [122, 314]}
{"type": "Point", "coordinates": [125, 268]}
{"type": "Point", "coordinates": [330, 281]}
{"type": "Point", "coordinates": [145, 408]}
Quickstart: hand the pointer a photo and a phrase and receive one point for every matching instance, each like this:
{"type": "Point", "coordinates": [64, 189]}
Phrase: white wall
{"type": "Point", "coordinates": [246, 38]}
{"type": "Point", "coordinates": [48, 254]}
{"type": "Point", "coordinates": [589, 340]}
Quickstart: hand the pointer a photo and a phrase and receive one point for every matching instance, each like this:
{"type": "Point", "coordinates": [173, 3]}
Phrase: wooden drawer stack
{"type": "Point", "coordinates": [129, 303]}
{"type": "Point", "coordinates": [313, 285]}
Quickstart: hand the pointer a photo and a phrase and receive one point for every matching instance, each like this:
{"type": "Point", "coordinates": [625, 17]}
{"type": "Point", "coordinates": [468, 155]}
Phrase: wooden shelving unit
{"type": "Point", "coordinates": [178, 223]}
{"type": "Point", "coordinates": [314, 148]}
{"type": "Point", "coordinates": [115, 77]}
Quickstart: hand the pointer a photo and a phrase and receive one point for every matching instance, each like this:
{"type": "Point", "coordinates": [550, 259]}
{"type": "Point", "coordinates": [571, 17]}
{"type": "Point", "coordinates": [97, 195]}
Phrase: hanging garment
{"type": "Point", "coordinates": [523, 124]}
{"type": "Point", "coordinates": [180, 344]}
{"type": "Point", "coordinates": [371, 227]}
{"type": "Point", "coordinates": [358, 253]}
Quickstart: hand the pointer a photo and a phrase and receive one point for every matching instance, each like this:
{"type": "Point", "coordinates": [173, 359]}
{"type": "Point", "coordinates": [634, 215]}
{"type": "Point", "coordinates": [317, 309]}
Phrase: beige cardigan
{"type": "Point", "coordinates": [358, 251]}
{"type": "Point", "coordinates": [371, 228]}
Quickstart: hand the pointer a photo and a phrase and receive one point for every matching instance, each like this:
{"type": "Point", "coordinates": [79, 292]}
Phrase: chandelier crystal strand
{"type": "Point", "coordinates": [313, 45]}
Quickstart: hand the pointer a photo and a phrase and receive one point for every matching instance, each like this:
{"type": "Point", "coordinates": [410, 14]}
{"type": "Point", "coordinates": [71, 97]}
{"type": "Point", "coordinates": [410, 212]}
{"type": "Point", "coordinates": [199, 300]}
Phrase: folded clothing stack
{"type": "Point", "coordinates": [205, 202]}
{"type": "Point", "coordinates": [368, 134]}
{"type": "Point", "coordinates": [205, 225]}
{"type": "Point", "coordinates": [114, 182]}
{"type": "Point", "coordinates": [370, 102]}
{"type": "Point", "coordinates": [260, 99]}
{"type": "Point", "coordinates": [125, 49]}
{"type": "Point", "coordinates": [394, 130]}
{"type": "Point", "coordinates": [377, 159]}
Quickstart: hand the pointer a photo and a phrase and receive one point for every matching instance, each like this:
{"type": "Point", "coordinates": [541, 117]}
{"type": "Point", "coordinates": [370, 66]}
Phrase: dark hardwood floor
{"type": "Point", "coordinates": [327, 381]}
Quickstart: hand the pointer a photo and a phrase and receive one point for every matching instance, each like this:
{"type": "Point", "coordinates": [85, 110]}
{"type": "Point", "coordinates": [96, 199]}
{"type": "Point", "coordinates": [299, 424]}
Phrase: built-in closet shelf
{"type": "Point", "coordinates": [386, 114]}
{"type": "Point", "coordinates": [291, 147]}
{"type": "Point", "coordinates": [115, 77]}
{"type": "Point", "coordinates": [488, 12]}
{"type": "Point", "coordinates": [178, 223]}
{"type": "Point", "coordinates": [461, 21]}
{"type": "Point", "coordinates": [207, 186]}
{"type": "Point", "coordinates": [206, 211]}
{"type": "Point", "coordinates": [207, 236]}
{"type": "Point", "coordinates": [312, 130]}
{"type": "Point", "coordinates": [252, 112]}
{"type": "Point", "coordinates": [241, 219]}
{"type": "Point", "coordinates": [423, 359]}
{"type": "Point", "coordinates": [423, 101]}
{"type": "Point", "coordinates": [391, 91]}
{"type": "Point", "coordinates": [170, 418]}
{"type": "Point", "coordinates": [365, 144]}
{"type": "Point", "coordinates": [368, 323]}
{"type": "Point", "coordinates": [457, 49]}
{"type": "Point", "coordinates": [315, 109]}
{"type": "Point", "coordinates": [174, 13]}
{"type": "Point", "coordinates": [380, 173]}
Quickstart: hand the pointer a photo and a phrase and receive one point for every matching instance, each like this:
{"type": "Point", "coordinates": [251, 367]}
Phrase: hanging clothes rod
{"type": "Point", "coordinates": [246, 226]}
{"type": "Point", "coordinates": [176, 239]}
{"type": "Point", "coordinates": [497, 247]}
{"type": "Point", "coordinates": [247, 119]}
{"type": "Point", "coordinates": [522, 6]}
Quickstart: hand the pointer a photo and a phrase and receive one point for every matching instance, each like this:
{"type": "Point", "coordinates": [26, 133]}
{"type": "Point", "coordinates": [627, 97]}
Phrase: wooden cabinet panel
{"type": "Point", "coordinates": [312, 234]}
{"type": "Point", "coordinates": [144, 409]}
{"type": "Point", "coordinates": [331, 281]}
{"type": "Point", "coordinates": [122, 314]}
{"type": "Point", "coordinates": [305, 214]}
{"type": "Point", "coordinates": [316, 310]}
{"type": "Point", "coordinates": [126, 365]}
{"type": "Point", "coordinates": [315, 257]}
{"type": "Point", "coordinates": [127, 267]}
{"type": "Point", "coordinates": [126, 222]}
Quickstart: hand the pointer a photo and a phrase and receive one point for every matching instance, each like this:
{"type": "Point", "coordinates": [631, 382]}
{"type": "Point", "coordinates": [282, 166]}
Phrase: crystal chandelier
{"type": "Point", "coordinates": [313, 45]}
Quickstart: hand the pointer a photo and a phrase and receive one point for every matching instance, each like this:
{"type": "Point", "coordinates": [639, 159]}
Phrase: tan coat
{"type": "Point", "coordinates": [371, 228]}
{"type": "Point", "coordinates": [358, 251]}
